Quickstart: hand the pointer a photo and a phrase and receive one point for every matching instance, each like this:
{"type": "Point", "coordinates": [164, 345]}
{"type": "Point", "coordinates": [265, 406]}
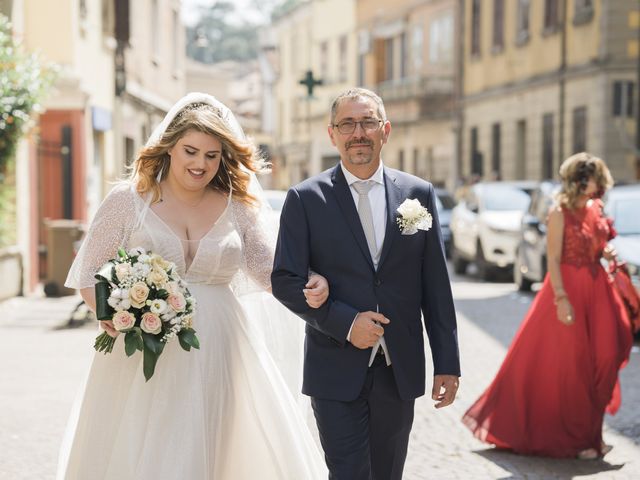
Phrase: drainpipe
{"type": "Point", "coordinates": [562, 80]}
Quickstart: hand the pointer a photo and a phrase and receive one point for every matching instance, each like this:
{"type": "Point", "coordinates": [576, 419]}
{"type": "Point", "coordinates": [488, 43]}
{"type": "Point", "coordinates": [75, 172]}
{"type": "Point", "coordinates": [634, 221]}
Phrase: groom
{"type": "Point", "coordinates": [364, 349]}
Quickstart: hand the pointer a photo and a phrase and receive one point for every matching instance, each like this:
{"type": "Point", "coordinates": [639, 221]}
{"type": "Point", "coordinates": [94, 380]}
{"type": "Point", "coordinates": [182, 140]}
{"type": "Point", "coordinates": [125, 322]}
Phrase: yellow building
{"type": "Point", "coordinates": [118, 76]}
{"type": "Point", "coordinates": [407, 54]}
{"type": "Point", "coordinates": [547, 78]}
{"type": "Point", "coordinates": [317, 36]}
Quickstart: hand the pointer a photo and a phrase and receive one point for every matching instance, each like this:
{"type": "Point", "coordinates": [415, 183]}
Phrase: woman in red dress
{"type": "Point", "coordinates": [560, 374]}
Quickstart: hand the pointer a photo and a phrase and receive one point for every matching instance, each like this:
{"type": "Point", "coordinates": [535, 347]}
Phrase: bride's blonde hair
{"type": "Point", "coordinates": [575, 173]}
{"type": "Point", "coordinates": [239, 157]}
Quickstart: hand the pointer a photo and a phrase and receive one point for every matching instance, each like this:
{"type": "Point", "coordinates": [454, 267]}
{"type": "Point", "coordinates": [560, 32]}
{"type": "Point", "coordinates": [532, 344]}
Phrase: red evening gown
{"type": "Point", "coordinates": [556, 382]}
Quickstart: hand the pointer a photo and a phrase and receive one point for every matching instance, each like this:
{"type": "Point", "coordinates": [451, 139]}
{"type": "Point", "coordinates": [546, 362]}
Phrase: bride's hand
{"type": "Point", "coordinates": [107, 326]}
{"type": "Point", "coordinates": [316, 290]}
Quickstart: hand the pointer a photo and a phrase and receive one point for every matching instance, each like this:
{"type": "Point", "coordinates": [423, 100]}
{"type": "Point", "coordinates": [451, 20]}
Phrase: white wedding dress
{"type": "Point", "coordinates": [221, 412]}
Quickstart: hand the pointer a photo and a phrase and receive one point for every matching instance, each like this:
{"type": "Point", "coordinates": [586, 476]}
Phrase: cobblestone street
{"type": "Point", "coordinates": [42, 367]}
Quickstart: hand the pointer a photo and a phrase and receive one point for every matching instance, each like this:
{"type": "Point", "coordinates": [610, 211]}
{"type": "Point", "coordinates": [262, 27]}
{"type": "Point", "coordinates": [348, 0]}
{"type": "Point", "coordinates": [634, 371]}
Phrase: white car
{"type": "Point", "coordinates": [485, 226]}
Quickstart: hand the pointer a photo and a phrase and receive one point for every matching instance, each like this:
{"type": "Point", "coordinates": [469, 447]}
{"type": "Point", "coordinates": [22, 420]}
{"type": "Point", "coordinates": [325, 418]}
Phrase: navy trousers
{"type": "Point", "coordinates": [366, 439]}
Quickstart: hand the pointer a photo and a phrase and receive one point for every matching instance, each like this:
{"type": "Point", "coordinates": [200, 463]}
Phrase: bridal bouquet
{"type": "Point", "coordinates": [148, 302]}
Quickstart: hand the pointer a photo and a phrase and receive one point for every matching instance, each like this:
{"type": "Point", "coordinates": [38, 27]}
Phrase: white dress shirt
{"type": "Point", "coordinates": [377, 199]}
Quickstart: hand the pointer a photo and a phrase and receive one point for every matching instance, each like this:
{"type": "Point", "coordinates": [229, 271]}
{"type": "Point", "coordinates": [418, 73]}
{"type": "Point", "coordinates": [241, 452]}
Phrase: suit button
{"type": "Point", "coordinates": [377, 282]}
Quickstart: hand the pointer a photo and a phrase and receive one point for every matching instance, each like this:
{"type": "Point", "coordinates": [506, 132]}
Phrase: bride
{"type": "Point", "coordinates": [221, 412]}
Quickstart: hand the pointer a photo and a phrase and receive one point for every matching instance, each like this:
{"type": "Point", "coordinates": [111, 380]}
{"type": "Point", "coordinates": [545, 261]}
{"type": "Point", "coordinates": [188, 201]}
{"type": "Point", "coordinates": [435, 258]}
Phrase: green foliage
{"type": "Point", "coordinates": [24, 80]}
{"type": "Point", "coordinates": [216, 38]}
{"type": "Point", "coordinates": [8, 206]}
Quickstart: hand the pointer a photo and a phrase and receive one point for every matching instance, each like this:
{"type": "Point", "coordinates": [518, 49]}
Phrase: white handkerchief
{"type": "Point", "coordinates": [380, 344]}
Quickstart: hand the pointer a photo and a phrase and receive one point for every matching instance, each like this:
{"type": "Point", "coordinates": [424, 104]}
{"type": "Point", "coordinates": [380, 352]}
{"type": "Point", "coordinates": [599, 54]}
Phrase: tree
{"type": "Point", "coordinates": [23, 82]}
{"type": "Point", "coordinates": [215, 37]}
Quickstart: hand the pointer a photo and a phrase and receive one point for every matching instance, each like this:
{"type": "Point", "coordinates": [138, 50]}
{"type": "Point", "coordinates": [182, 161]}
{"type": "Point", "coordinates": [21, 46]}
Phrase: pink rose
{"type": "Point", "coordinates": [151, 323]}
{"type": "Point", "coordinates": [177, 302]}
{"type": "Point", "coordinates": [123, 320]}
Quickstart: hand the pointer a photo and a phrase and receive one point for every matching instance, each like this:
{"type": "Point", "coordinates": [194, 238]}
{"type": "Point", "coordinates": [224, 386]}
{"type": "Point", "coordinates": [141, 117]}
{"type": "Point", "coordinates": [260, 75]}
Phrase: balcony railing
{"type": "Point", "coordinates": [415, 87]}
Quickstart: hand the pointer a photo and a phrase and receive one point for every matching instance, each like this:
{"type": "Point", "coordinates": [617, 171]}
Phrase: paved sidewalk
{"type": "Point", "coordinates": [442, 448]}
{"type": "Point", "coordinates": [42, 367]}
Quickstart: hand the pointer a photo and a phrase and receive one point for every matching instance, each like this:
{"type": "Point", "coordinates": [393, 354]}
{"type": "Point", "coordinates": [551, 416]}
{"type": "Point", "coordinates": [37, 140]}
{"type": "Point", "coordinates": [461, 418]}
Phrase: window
{"type": "Point", "coordinates": [580, 129]}
{"type": "Point", "coordinates": [361, 68]}
{"type": "Point", "coordinates": [476, 156]}
{"type": "Point", "coordinates": [155, 30]}
{"type": "Point", "coordinates": [547, 145]}
{"type": "Point", "coordinates": [344, 55]}
{"type": "Point", "coordinates": [495, 150]}
{"type": "Point", "coordinates": [623, 99]}
{"type": "Point", "coordinates": [175, 45]}
{"type": "Point", "coordinates": [108, 18]}
{"type": "Point", "coordinates": [521, 149]}
{"type": "Point", "coordinates": [401, 160]}
{"type": "Point", "coordinates": [403, 55]}
{"type": "Point", "coordinates": [441, 40]}
{"type": "Point", "coordinates": [551, 15]}
{"type": "Point", "coordinates": [417, 39]}
{"type": "Point", "coordinates": [388, 57]}
{"type": "Point", "coordinates": [324, 60]}
{"type": "Point", "coordinates": [498, 25]}
{"type": "Point", "coordinates": [475, 27]}
{"type": "Point", "coordinates": [582, 11]}
{"type": "Point", "coordinates": [523, 21]}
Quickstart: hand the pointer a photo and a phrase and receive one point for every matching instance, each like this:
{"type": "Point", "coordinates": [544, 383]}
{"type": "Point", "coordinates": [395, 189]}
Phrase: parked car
{"type": "Point", "coordinates": [622, 204]}
{"type": "Point", "coordinates": [276, 199]}
{"type": "Point", "coordinates": [486, 224]}
{"type": "Point", "coordinates": [530, 265]}
{"type": "Point", "coordinates": [445, 203]}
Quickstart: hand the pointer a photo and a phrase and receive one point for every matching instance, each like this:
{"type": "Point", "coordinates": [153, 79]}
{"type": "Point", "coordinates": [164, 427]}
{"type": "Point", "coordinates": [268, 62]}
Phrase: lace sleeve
{"type": "Point", "coordinates": [258, 242]}
{"type": "Point", "coordinates": [110, 229]}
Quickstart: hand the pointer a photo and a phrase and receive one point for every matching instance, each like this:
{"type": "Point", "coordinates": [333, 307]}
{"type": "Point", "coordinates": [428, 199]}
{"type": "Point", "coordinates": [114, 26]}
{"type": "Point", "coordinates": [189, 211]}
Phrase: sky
{"type": "Point", "coordinates": [190, 10]}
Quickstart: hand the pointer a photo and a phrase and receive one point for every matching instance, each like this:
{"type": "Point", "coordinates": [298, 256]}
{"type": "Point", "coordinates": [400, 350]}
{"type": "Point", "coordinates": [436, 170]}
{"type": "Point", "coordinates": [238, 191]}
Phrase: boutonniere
{"type": "Point", "coordinates": [413, 217]}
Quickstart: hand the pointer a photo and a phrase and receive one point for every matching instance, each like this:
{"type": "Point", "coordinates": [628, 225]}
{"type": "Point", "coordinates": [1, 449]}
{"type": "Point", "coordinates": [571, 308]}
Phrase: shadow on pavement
{"type": "Point", "coordinates": [545, 467]}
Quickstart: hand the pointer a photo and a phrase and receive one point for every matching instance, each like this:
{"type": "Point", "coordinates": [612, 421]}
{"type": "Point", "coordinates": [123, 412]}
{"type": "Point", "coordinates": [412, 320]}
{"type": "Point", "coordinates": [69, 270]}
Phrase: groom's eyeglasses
{"type": "Point", "coordinates": [347, 127]}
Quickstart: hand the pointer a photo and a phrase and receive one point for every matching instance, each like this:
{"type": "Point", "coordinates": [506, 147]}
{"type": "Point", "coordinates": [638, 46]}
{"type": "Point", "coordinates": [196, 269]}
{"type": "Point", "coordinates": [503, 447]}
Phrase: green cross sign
{"type": "Point", "coordinates": [310, 82]}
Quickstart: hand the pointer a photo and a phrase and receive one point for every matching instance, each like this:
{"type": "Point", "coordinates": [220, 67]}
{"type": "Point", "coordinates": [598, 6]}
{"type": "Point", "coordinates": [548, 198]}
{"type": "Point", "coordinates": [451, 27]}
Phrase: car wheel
{"type": "Point", "coordinates": [485, 272]}
{"type": "Point", "coordinates": [523, 283]}
{"type": "Point", "coordinates": [459, 263]}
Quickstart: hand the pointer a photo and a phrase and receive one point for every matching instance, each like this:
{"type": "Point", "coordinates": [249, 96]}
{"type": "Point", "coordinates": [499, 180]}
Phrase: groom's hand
{"type": "Point", "coordinates": [444, 389]}
{"type": "Point", "coordinates": [367, 330]}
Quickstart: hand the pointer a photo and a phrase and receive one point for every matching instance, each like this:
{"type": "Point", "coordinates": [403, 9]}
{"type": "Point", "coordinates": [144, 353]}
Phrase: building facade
{"type": "Point", "coordinates": [544, 79]}
{"type": "Point", "coordinates": [117, 79]}
{"type": "Point", "coordinates": [315, 40]}
{"type": "Point", "coordinates": [407, 54]}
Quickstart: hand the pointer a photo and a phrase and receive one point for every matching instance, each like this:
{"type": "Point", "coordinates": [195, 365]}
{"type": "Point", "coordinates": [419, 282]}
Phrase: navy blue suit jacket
{"type": "Point", "coordinates": [320, 230]}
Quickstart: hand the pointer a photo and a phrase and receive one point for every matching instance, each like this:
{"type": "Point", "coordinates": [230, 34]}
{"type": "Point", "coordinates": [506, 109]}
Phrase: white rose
{"type": "Point", "coordinates": [138, 294]}
{"type": "Point", "coordinates": [123, 270]}
{"type": "Point", "coordinates": [156, 277]}
{"type": "Point", "coordinates": [411, 209]}
{"type": "Point", "coordinates": [172, 288]}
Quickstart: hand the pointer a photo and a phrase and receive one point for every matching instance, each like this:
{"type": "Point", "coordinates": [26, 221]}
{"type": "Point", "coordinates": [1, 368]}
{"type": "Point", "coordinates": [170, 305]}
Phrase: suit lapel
{"type": "Point", "coordinates": [394, 198]}
{"type": "Point", "coordinates": [348, 207]}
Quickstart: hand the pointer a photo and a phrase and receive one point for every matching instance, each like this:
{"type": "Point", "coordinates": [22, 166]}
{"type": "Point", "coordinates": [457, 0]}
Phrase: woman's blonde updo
{"type": "Point", "coordinates": [575, 173]}
{"type": "Point", "coordinates": [239, 156]}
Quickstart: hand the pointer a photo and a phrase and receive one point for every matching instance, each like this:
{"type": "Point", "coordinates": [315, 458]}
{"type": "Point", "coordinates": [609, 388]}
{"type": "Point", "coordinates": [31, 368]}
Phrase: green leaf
{"type": "Point", "coordinates": [122, 253]}
{"type": "Point", "coordinates": [162, 294]}
{"type": "Point", "coordinates": [188, 339]}
{"type": "Point", "coordinates": [149, 360]}
{"type": "Point", "coordinates": [153, 343]}
{"type": "Point", "coordinates": [104, 311]}
{"type": "Point", "coordinates": [133, 342]}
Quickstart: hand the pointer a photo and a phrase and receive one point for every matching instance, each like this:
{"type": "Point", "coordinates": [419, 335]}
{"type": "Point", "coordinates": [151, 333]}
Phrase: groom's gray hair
{"type": "Point", "coordinates": [353, 94]}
